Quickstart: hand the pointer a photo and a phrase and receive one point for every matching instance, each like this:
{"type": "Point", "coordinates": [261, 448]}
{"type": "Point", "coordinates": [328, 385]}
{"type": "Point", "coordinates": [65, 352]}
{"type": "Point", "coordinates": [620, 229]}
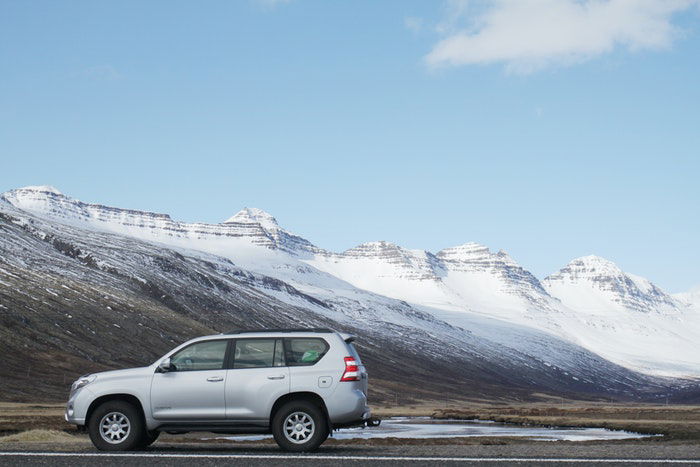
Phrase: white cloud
{"type": "Point", "coordinates": [528, 35]}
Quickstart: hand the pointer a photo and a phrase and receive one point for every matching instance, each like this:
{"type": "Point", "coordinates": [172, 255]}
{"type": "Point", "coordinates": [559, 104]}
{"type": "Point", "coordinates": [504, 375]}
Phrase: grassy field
{"type": "Point", "coordinates": [18, 417]}
{"type": "Point", "coordinates": [678, 424]}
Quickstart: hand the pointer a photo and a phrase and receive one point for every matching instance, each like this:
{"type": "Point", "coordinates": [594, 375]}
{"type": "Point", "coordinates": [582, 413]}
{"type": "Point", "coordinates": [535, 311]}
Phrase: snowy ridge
{"type": "Point", "coordinates": [254, 226]}
{"type": "Point", "coordinates": [607, 287]}
{"type": "Point", "coordinates": [589, 303]}
{"type": "Point", "coordinates": [473, 257]}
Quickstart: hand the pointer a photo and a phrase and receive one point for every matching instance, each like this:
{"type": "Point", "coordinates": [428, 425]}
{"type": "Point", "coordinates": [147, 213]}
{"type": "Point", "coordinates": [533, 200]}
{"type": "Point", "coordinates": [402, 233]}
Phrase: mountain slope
{"type": "Point", "coordinates": [468, 289]}
{"type": "Point", "coordinates": [75, 300]}
{"type": "Point", "coordinates": [627, 318]}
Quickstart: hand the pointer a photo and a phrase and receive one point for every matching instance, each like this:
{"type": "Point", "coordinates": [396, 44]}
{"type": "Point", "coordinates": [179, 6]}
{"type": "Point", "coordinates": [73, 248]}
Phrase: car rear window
{"type": "Point", "coordinates": [304, 351]}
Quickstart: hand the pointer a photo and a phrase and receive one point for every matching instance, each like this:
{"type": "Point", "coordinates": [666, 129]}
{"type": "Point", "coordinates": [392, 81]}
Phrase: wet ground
{"type": "Point", "coordinates": [425, 427]}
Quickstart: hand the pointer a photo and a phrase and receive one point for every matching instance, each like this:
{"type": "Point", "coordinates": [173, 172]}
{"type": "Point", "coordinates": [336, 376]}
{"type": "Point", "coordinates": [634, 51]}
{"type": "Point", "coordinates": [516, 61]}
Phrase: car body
{"type": "Point", "coordinates": [229, 383]}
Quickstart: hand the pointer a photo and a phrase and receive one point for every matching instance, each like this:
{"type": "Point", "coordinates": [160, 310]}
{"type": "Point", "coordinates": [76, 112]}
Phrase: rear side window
{"type": "Point", "coordinates": [258, 353]}
{"type": "Point", "coordinates": [304, 351]}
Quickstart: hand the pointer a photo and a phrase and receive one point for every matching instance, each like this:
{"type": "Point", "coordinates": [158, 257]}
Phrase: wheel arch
{"type": "Point", "coordinates": [130, 398]}
{"type": "Point", "coordinates": [305, 396]}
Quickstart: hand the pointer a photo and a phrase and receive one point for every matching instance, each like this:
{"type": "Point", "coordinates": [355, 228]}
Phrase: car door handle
{"type": "Point", "coordinates": [215, 379]}
{"type": "Point", "coordinates": [276, 377]}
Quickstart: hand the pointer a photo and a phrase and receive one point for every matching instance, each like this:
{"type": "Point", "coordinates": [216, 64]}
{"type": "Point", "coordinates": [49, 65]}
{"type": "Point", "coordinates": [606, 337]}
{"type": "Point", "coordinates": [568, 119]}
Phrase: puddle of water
{"type": "Point", "coordinates": [424, 427]}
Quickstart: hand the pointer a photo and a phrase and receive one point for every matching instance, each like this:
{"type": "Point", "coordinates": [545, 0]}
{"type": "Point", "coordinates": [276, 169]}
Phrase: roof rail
{"type": "Point", "coordinates": [245, 331]}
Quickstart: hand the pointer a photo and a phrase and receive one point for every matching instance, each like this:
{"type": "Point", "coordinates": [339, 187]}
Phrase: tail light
{"type": "Point", "coordinates": [352, 371]}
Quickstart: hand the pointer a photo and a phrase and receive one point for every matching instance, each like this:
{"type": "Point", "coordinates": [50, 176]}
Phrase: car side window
{"type": "Point", "coordinates": [258, 353]}
{"type": "Point", "coordinates": [304, 351]}
{"type": "Point", "coordinates": [205, 355]}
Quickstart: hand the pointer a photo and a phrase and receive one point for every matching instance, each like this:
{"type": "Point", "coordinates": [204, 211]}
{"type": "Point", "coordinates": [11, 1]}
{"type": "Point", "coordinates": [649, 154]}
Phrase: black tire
{"type": "Point", "coordinates": [149, 437]}
{"type": "Point", "coordinates": [313, 432]}
{"type": "Point", "coordinates": [120, 422]}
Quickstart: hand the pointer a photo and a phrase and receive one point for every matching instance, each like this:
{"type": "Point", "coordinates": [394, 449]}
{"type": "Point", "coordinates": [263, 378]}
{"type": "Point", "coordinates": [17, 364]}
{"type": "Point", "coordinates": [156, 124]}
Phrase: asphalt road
{"type": "Point", "coordinates": [535, 454]}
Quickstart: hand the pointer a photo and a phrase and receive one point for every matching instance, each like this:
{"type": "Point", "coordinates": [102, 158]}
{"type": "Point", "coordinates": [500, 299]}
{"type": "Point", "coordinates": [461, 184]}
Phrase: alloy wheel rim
{"type": "Point", "coordinates": [299, 427]}
{"type": "Point", "coordinates": [115, 427]}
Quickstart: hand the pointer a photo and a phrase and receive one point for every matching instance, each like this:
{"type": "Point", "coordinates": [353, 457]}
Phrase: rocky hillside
{"type": "Point", "coordinates": [86, 287]}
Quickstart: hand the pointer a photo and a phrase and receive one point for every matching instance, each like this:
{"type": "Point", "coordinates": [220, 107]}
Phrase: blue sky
{"type": "Point", "coordinates": [427, 124]}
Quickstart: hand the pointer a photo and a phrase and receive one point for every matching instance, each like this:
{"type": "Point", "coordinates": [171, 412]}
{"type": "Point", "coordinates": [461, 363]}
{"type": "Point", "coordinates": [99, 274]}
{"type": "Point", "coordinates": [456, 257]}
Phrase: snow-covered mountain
{"type": "Point", "coordinates": [627, 318]}
{"type": "Point", "coordinates": [590, 304]}
{"type": "Point", "coordinates": [76, 298]}
{"type": "Point", "coordinates": [596, 284]}
{"type": "Point", "coordinates": [467, 278]}
{"type": "Point", "coordinates": [249, 227]}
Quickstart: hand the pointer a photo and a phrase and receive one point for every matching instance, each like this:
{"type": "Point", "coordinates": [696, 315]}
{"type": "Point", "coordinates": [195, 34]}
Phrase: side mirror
{"type": "Point", "coordinates": [164, 366]}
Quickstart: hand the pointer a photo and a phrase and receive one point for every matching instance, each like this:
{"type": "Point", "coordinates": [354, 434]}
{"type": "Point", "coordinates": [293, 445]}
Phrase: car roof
{"type": "Point", "coordinates": [282, 330]}
{"type": "Point", "coordinates": [311, 332]}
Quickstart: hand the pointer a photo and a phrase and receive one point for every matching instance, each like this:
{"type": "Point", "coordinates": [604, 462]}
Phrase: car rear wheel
{"type": "Point", "coordinates": [116, 426]}
{"type": "Point", "coordinates": [299, 426]}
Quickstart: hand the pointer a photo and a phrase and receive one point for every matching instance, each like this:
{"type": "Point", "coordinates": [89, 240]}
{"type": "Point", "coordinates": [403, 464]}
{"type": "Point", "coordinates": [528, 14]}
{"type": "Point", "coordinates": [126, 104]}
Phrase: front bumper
{"type": "Point", "coordinates": [77, 406]}
{"type": "Point", "coordinates": [71, 419]}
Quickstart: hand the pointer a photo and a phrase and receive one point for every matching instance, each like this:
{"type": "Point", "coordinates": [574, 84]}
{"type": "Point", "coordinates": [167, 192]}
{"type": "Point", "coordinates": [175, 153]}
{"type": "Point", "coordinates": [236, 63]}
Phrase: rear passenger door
{"type": "Point", "coordinates": [309, 370]}
{"type": "Point", "coordinates": [256, 378]}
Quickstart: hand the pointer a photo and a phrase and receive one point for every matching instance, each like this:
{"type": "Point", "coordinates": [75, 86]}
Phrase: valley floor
{"type": "Point", "coordinates": [31, 426]}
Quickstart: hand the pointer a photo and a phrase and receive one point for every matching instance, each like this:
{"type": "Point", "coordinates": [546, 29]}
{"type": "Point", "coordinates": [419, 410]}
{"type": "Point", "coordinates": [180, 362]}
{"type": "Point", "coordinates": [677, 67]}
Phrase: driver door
{"type": "Point", "coordinates": [194, 389]}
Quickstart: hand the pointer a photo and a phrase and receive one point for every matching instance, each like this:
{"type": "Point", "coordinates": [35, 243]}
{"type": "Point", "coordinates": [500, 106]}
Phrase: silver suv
{"type": "Point", "coordinates": [298, 384]}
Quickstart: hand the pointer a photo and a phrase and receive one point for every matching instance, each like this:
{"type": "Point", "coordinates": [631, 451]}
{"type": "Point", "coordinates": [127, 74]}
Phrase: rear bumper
{"type": "Point", "coordinates": [365, 422]}
{"type": "Point", "coordinates": [347, 406]}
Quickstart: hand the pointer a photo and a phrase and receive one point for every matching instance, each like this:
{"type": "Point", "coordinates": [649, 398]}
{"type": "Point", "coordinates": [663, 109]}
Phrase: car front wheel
{"type": "Point", "coordinates": [116, 426]}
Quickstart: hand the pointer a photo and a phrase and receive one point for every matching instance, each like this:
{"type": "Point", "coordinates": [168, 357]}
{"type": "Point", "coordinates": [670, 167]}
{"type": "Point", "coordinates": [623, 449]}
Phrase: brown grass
{"type": "Point", "coordinates": [16, 417]}
{"type": "Point", "coordinates": [40, 436]}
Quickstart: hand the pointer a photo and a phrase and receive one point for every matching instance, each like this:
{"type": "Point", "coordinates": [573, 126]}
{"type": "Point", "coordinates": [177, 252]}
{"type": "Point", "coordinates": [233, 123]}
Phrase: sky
{"type": "Point", "coordinates": [551, 129]}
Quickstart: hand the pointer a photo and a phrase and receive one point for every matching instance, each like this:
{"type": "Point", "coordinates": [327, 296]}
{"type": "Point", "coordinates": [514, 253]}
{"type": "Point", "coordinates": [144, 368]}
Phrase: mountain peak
{"type": "Point", "coordinates": [254, 216]}
{"type": "Point", "coordinates": [372, 249]}
{"type": "Point", "coordinates": [606, 285]}
{"type": "Point", "coordinates": [379, 244]}
{"type": "Point", "coordinates": [594, 265]}
{"type": "Point", "coordinates": [466, 251]}
{"type": "Point", "coordinates": [593, 259]}
{"type": "Point", "coordinates": [41, 189]}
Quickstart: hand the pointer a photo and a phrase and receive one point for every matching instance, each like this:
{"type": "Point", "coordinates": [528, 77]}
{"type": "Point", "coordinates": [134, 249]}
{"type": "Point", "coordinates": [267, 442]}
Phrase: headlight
{"type": "Point", "coordinates": [82, 381]}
